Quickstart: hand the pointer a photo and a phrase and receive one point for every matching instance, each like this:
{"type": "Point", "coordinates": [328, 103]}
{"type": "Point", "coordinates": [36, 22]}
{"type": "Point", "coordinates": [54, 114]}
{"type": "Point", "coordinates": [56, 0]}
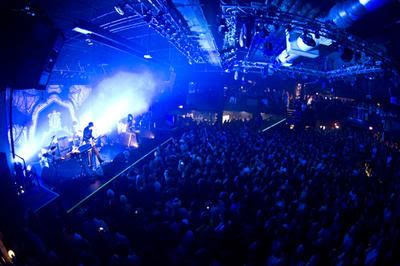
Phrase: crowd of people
{"type": "Point", "coordinates": [234, 195]}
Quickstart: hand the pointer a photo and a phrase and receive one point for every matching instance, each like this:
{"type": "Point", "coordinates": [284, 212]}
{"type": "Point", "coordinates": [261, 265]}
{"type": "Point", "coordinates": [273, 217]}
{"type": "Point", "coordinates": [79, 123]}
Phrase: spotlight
{"type": "Point", "coordinates": [337, 126]}
{"type": "Point", "coordinates": [29, 11]}
{"type": "Point", "coordinates": [347, 54]}
{"type": "Point", "coordinates": [119, 10]}
{"type": "Point", "coordinates": [82, 30]}
{"type": "Point", "coordinates": [89, 41]}
{"type": "Point", "coordinates": [371, 128]}
{"type": "Point", "coordinates": [236, 75]}
{"type": "Point", "coordinates": [180, 106]}
{"type": "Point", "coordinates": [308, 39]}
{"type": "Point", "coordinates": [222, 29]}
{"type": "Point", "coordinates": [11, 254]}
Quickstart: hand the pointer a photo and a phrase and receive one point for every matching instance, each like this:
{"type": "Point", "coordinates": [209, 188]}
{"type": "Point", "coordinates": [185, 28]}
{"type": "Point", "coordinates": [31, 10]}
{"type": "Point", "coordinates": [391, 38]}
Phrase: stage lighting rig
{"type": "Point", "coordinates": [297, 23]}
{"type": "Point", "coordinates": [307, 39]}
{"type": "Point", "coordinates": [267, 69]}
{"type": "Point", "coordinates": [123, 7]}
{"type": "Point", "coordinates": [119, 10]}
{"type": "Point", "coordinates": [222, 27]}
{"type": "Point", "coordinates": [303, 37]}
{"type": "Point", "coordinates": [167, 21]}
{"type": "Point", "coordinates": [98, 34]}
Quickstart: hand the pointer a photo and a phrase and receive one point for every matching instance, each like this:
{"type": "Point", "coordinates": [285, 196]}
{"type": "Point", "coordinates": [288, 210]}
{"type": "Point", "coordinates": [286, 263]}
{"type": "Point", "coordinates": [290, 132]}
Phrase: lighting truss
{"type": "Point", "coordinates": [230, 36]}
{"type": "Point", "coordinates": [353, 71]}
{"type": "Point", "coordinates": [259, 67]}
{"type": "Point", "coordinates": [106, 37]}
{"type": "Point", "coordinates": [263, 14]}
{"type": "Point", "coordinates": [163, 17]}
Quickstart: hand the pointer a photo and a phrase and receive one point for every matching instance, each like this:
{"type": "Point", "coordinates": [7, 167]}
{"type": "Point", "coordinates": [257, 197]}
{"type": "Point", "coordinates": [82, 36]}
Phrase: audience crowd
{"type": "Point", "coordinates": [233, 195]}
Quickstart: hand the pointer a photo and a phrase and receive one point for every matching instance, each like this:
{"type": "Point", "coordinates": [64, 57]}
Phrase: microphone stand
{"type": "Point", "coordinates": [53, 163]}
{"type": "Point", "coordinates": [51, 141]}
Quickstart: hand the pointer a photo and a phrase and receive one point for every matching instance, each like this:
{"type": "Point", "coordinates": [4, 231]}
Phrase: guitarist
{"type": "Point", "coordinates": [88, 138]}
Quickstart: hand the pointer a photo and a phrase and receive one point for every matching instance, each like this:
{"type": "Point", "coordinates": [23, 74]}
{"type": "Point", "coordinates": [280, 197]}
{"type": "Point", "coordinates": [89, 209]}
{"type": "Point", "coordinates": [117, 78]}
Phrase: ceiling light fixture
{"type": "Point", "coordinates": [81, 30]}
{"type": "Point", "coordinates": [308, 39]}
{"type": "Point", "coordinates": [119, 10]}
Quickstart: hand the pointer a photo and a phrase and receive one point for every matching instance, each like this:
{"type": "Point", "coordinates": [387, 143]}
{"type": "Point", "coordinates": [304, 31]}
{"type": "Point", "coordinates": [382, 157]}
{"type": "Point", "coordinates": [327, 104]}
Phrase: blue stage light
{"type": "Point", "coordinates": [116, 96]}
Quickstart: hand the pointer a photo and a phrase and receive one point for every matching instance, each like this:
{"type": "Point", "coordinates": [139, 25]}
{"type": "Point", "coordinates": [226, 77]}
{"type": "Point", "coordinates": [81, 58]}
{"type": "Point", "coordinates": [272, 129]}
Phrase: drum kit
{"type": "Point", "coordinates": [65, 149]}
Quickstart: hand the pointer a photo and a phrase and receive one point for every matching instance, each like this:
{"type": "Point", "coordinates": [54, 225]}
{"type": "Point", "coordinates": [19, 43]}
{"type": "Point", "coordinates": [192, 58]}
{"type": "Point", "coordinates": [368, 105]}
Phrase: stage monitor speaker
{"type": "Point", "coordinates": [29, 48]}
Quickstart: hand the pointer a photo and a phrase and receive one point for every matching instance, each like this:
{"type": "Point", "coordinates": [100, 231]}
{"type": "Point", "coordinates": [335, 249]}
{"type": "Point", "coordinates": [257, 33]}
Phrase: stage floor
{"type": "Point", "coordinates": [69, 183]}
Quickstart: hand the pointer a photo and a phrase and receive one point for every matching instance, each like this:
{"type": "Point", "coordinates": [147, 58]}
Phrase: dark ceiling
{"type": "Point", "coordinates": [382, 26]}
{"type": "Point", "coordinates": [84, 54]}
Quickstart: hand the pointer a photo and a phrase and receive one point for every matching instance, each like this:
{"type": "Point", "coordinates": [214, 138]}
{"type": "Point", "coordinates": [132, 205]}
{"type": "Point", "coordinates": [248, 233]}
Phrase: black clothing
{"type": "Point", "coordinates": [87, 134]}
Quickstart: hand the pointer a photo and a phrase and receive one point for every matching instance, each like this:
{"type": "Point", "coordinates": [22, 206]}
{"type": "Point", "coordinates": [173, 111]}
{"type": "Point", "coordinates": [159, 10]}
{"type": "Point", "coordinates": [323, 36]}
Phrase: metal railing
{"type": "Point", "coordinates": [116, 176]}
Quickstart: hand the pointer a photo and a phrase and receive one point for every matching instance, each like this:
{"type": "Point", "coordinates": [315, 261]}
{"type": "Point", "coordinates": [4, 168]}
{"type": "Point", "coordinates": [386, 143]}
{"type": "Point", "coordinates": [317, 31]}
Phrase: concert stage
{"type": "Point", "coordinates": [69, 182]}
